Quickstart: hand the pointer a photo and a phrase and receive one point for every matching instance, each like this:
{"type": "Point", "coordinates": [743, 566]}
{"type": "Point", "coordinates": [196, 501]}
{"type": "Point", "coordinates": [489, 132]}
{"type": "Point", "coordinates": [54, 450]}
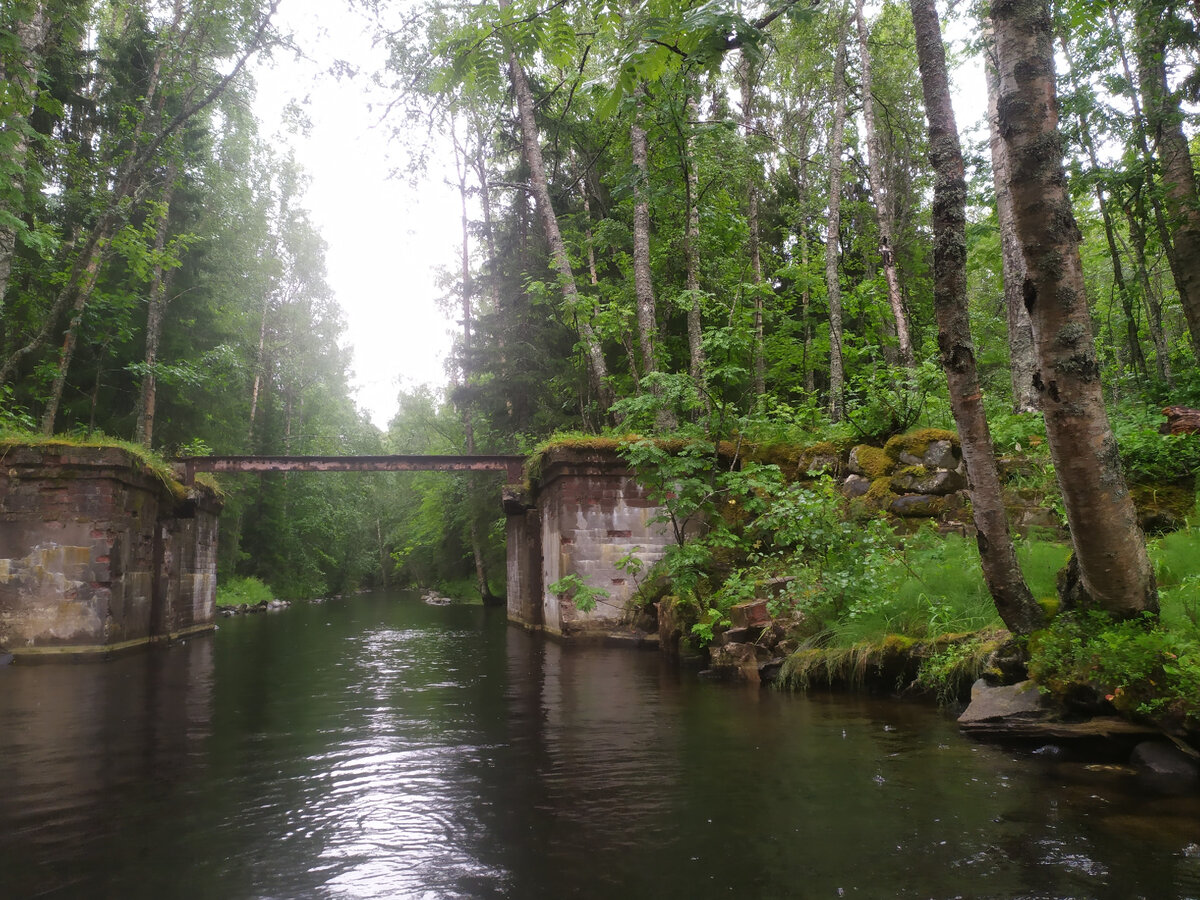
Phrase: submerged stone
{"type": "Point", "coordinates": [1165, 767]}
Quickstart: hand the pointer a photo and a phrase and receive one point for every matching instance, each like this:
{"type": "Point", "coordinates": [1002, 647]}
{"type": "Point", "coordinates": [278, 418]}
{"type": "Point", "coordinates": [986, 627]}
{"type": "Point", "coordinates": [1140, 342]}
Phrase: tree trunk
{"type": "Point", "coordinates": [130, 175]}
{"type": "Point", "coordinates": [1110, 551]}
{"type": "Point", "coordinates": [837, 377]}
{"type": "Point", "coordinates": [1136, 357]}
{"type": "Point", "coordinates": [1021, 358]}
{"type": "Point", "coordinates": [260, 362]}
{"type": "Point", "coordinates": [745, 75]}
{"type": "Point", "coordinates": [881, 196]}
{"type": "Point", "coordinates": [643, 283]}
{"type": "Point", "coordinates": [82, 292]}
{"type": "Point", "coordinates": [31, 33]}
{"type": "Point", "coordinates": [695, 324]}
{"type": "Point", "coordinates": [1001, 571]}
{"type": "Point", "coordinates": [579, 307]}
{"type": "Point", "coordinates": [1165, 118]}
{"type": "Point", "coordinates": [461, 165]}
{"type": "Point", "coordinates": [1150, 297]}
{"type": "Point", "coordinates": [155, 312]}
{"type": "Point", "coordinates": [1140, 124]}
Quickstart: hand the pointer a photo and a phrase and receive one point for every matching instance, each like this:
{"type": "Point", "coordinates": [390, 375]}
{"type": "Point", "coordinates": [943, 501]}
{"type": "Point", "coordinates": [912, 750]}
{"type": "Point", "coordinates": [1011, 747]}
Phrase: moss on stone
{"type": "Point", "coordinates": [1162, 505]}
{"type": "Point", "coordinates": [918, 505]}
{"type": "Point", "coordinates": [879, 495]}
{"type": "Point", "coordinates": [915, 443]}
{"type": "Point", "coordinates": [874, 461]}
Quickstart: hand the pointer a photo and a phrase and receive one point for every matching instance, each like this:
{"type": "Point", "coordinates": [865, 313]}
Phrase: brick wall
{"type": "Point", "coordinates": [98, 554]}
{"type": "Point", "coordinates": [593, 513]}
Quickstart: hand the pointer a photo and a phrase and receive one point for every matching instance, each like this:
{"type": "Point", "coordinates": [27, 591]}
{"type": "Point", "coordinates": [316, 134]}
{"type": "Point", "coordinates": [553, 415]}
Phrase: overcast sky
{"type": "Point", "coordinates": [385, 239]}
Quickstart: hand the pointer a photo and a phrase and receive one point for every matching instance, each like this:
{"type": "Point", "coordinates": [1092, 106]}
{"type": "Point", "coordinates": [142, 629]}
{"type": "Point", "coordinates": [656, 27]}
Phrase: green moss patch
{"type": "Point", "coordinates": [916, 443]}
{"type": "Point", "coordinates": [874, 461]}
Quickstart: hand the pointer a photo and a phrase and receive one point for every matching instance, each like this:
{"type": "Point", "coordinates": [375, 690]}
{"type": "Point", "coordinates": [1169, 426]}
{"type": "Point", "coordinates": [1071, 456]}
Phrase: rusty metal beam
{"type": "Point", "coordinates": [512, 466]}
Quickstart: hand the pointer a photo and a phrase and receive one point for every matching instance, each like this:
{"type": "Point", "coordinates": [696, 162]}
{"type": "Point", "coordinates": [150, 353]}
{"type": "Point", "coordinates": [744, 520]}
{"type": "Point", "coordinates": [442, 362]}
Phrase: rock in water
{"type": "Point", "coordinates": [994, 709]}
{"type": "Point", "coordinates": [1165, 767]}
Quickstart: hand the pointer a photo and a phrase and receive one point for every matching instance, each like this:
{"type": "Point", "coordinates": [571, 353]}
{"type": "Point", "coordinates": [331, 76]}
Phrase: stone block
{"type": "Point", "coordinates": [754, 613]}
{"type": "Point", "coordinates": [940, 481]}
{"type": "Point", "coordinates": [942, 455]}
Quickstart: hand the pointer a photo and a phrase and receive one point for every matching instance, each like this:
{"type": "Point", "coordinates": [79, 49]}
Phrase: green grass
{"type": "Point", "coordinates": [236, 591]}
{"type": "Point", "coordinates": [1041, 561]}
{"type": "Point", "coordinates": [153, 461]}
{"type": "Point", "coordinates": [1176, 559]}
{"type": "Point", "coordinates": [941, 590]}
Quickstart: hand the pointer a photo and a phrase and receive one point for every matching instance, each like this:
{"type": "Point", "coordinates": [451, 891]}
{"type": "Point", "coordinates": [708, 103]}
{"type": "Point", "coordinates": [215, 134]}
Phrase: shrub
{"type": "Point", "coordinates": [1139, 665]}
{"type": "Point", "coordinates": [236, 591]}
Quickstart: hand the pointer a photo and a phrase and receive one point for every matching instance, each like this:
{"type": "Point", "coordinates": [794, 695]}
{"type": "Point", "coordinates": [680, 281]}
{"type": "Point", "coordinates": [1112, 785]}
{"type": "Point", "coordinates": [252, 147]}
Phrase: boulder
{"type": "Point", "coordinates": [675, 620]}
{"type": "Point", "coordinates": [820, 464]}
{"type": "Point", "coordinates": [1181, 420]}
{"type": "Point", "coordinates": [993, 705]}
{"type": "Point", "coordinates": [942, 455]}
{"type": "Point", "coordinates": [868, 461]}
{"type": "Point", "coordinates": [856, 486]}
{"type": "Point", "coordinates": [917, 505]}
{"type": "Point", "coordinates": [750, 614]}
{"type": "Point", "coordinates": [1165, 766]}
{"type": "Point", "coordinates": [737, 662]}
{"type": "Point", "coordinates": [940, 481]}
{"type": "Point", "coordinates": [744, 635]}
{"type": "Point", "coordinates": [1018, 711]}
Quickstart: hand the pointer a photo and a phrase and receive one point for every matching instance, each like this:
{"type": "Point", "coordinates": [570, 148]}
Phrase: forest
{"type": "Point", "coordinates": [758, 223]}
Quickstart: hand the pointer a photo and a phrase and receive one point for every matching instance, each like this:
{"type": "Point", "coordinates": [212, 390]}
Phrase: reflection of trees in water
{"type": "Point", "coordinates": [378, 748]}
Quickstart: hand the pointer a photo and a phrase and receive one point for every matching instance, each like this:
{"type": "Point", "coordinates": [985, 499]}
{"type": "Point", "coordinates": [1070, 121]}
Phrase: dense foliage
{"type": "Point", "coordinates": [160, 279]}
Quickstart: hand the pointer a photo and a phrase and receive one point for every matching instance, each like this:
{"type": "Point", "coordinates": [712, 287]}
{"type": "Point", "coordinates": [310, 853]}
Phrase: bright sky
{"type": "Point", "coordinates": [385, 239]}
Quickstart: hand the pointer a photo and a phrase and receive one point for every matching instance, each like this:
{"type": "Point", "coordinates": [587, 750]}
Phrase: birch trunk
{"type": "Point", "coordinates": [1014, 601]}
{"type": "Point", "coordinates": [643, 285]}
{"type": "Point", "coordinates": [1165, 118]}
{"type": "Point", "coordinates": [883, 208]}
{"type": "Point", "coordinates": [837, 377]}
{"type": "Point", "coordinates": [1022, 362]}
{"type": "Point", "coordinates": [1114, 572]}
{"type": "Point", "coordinates": [579, 306]}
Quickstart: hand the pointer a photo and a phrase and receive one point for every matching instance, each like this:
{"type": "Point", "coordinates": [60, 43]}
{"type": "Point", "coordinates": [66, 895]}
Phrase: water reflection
{"type": "Point", "coordinates": [385, 748]}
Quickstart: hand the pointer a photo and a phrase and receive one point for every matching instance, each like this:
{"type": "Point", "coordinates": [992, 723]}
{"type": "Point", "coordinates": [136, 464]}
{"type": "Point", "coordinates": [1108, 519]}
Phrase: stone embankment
{"type": "Point", "coordinates": [100, 553]}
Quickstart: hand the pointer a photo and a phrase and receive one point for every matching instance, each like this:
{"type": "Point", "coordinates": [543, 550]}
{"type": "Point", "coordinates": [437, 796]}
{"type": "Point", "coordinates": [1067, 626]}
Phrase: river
{"type": "Point", "coordinates": [378, 747]}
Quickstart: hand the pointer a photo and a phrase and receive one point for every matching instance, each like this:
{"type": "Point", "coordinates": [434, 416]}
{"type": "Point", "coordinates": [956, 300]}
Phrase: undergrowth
{"type": "Point", "coordinates": [236, 591]}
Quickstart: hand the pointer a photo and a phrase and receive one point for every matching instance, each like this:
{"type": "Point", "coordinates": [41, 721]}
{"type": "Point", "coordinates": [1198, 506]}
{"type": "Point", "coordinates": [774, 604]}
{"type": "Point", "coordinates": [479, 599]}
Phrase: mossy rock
{"type": "Point", "coordinates": [676, 616]}
{"type": "Point", "coordinates": [918, 505]}
{"type": "Point", "coordinates": [786, 456]}
{"type": "Point", "coordinates": [1163, 507]}
{"type": "Point", "coordinates": [1049, 607]}
{"type": "Point", "coordinates": [821, 458]}
{"type": "Point", "coordinates": [879, 496]}
{"type": "Point", "coordinates": [871, 462]}
{"type": "Point", "coordinates": [916, 443]}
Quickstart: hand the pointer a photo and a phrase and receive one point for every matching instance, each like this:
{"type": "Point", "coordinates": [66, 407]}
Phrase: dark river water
{"type": "Point", "coordinates": [380, 747]}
